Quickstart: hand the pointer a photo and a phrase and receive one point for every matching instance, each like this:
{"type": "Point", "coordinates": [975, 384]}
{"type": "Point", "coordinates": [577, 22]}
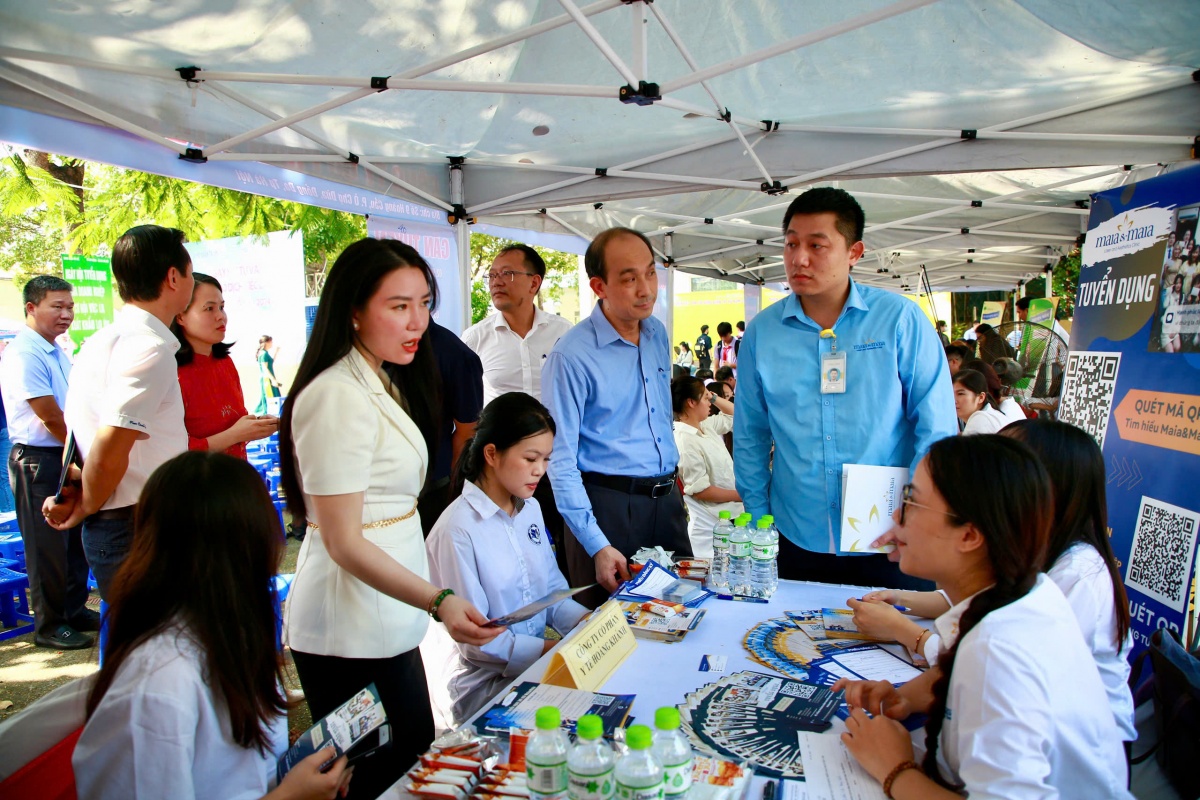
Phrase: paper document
{"type": "Point", "coordinates": [875, 664]}
{"type": "Point", "coordinates": [831, 773]}
{"type": "Point", "coordinates": [869, 496]}
{"type": "Point", "coordinates": [535, 608]}
{"type": "Point", "coordinates": [651, 581]}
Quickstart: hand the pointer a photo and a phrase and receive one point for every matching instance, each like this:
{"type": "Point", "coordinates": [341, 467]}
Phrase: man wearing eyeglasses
{"type": "Point", "coordinates": [836, 373]}
{"type": "Point", "coordinates": [513, 344]}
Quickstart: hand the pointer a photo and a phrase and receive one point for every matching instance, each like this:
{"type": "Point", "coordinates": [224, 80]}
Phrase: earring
{"type": "Point", "coordinates": [356, 326]}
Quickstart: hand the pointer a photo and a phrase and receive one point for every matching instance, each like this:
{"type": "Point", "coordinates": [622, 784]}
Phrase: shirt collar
{"type": "Point", "coordinates": [947, 624]}
{"type": "Point", "coordinates": [792, 307]}
{"type": "Point", "coordinates": [540, 318]}
{"type": "Point", "coordinates": [141, 316]}
{"type": "Point", "coordinates": [36, 339]}
{"type": "Point", "coordinates": [484, 506]}
{"type": "Point", "coordinates": [360, 366]}
{"type": "Point", "coordinates": [607, 334]}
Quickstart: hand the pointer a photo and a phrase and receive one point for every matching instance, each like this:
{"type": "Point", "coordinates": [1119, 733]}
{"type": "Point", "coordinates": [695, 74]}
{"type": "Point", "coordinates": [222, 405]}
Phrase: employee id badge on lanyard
{"type": "Point", "coordinates": [833, 368]}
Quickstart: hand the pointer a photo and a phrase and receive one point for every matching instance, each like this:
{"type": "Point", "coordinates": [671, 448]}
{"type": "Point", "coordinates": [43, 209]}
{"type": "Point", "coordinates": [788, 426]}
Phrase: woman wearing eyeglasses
{"type": "Point", "coordinates": [1016, 705]}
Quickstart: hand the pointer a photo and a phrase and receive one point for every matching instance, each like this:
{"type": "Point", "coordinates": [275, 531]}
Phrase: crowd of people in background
{"type": "Point", "coordinates": [453, 480]}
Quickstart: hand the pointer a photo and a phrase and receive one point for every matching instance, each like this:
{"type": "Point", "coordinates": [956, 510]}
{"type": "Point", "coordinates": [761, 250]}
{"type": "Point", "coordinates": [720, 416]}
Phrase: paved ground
{"type": "Point", "coordinates": [27, 672]}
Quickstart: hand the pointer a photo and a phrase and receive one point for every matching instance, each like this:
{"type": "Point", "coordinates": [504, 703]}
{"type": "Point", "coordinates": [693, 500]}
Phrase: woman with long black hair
{"type": "Point", "coordinates": [353, 462]}
{"type": "Point", "coordinates": [189, 702]}
{"type": "Point", "coordinates": [1016, 704]}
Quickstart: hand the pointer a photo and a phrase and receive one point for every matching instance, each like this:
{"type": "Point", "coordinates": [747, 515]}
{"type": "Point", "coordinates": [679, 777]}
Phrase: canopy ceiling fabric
{"type": "Point", "coordinates": [971, 130]}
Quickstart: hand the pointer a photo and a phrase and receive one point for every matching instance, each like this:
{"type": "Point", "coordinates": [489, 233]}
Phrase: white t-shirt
{"type": "Point", "coordinates": [1081, 575]}
{"type": "Point", "coordinates": [352, 436]}
{"type": "Point", "coordinates": [1026, 715]}
{"type": "Point", "coordinates": [985, 420]}
{"type": "Point", "coordinates": [1010, 409]}
{"type": "Point", "coordinates": [160, 733]}
{"type": "Point", "coordinates": [703, 462]}
{"type": "Point", "coordinates": [125, 376]}
{"type": "Point", "coordinates": [498, 563]}
{"type": "Point", "coordinates": [512, 363]}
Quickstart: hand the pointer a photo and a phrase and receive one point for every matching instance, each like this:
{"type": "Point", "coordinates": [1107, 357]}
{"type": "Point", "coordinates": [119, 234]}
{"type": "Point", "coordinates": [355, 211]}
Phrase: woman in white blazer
{"type": "Point", "coordinates": [353, 463]}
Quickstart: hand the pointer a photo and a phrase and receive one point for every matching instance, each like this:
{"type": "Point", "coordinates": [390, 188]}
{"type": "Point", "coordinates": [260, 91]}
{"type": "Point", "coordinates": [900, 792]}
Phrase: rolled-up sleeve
{"type": "Point", "coordinates": [564, 392]}
{"type": "Point", "coordinates": [134, 395]}
{"type": "Point", "coordinates": [692, 467]}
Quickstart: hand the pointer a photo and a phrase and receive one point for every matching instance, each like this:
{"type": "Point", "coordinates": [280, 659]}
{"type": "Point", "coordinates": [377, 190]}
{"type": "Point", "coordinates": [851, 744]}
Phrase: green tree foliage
{"type": "Point", "coordinates": [561, 272]}
{"type": "Point", "coordinates": [1064, 284]}
{"type": "Point", "coordinates": [51, 205]}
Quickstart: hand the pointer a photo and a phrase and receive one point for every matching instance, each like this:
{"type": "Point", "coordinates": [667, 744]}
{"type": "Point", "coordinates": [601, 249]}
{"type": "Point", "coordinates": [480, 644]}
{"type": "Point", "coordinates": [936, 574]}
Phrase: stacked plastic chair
{"type": "Point", "coordinates": [15, 617]}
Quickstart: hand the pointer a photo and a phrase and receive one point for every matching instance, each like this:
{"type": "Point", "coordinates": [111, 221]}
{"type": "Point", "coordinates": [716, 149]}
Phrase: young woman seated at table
{"type": "Point", "coordinates": [189, 702]}
{"type": "Point", "coordinates": [492, 548]}
{"type": "Point", "coordinates": [214, 410]}
{"type": "Point", "coordinates": [1079, 560]}
{"type": "Point", "coordinates": [1016, 705]}
{"type": "Point", "coordinates": [975, 405]}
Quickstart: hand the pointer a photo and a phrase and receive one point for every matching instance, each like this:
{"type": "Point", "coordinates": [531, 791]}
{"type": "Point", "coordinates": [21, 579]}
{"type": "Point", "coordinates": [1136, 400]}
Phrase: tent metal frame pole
{"type": "Point", "coordinates": [606, 50]}
{"type": "Point", "coordinates": [678, 151]}
{"type": "Point", "coordinates": [675, 38]}
{"type": "Point", "coordinates": [725, 217]}
{"type": "Point", "coordinates": [961, 203]}
{"type": "Point", "coordinates": [18, 54]}
{"type": "Point", "coordinates": [93, 111]}
{"type": "Point", "coordinates": [891, 155]}
{"type": "Point", "coordinates": [405, 185]}
{"type": "Point", "coordinates": [641, 54]}
{"type": "Point", "coordinates": [1034, 136]}
{"type": "Point", "coordinates": [794, 43]}
{"type": "Point", "coordinates": [1008, 234]}
{"type": "Point", "coordinates": [283, 122]}
{"type": "Point", "coordinates": [299, 158]}
{"type": "Point", "coordinates": [987, 228]}
{"type": "Point", "coordinates": [1010, 196]}
{"type": "Point", "coordinates": [568, 226]}
{"type": "Point", "coordinates": [253, 105]}
{"type": "Point", "coordinates": [463, 241]}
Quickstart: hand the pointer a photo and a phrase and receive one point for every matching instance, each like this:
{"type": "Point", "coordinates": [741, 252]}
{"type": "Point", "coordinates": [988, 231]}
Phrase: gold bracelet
{"type": "Point", "coordinates": [903, 766]}
{"type": "Point", "coordinates": [382, 523]}
{"type": "Point", "coordinates": [917, 646]}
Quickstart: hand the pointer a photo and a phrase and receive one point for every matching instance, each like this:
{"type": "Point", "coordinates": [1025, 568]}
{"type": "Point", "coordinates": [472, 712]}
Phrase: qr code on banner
{"type": "Point", "coordinates": [1087, 393]}
{"type": "Point", "coordinates": [1160, 560]}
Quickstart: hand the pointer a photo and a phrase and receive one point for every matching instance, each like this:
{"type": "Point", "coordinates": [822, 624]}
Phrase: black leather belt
{"type": "Point", "coordinates": [659, 486]}
{"type": "Point", "coordinates": [124, 512]}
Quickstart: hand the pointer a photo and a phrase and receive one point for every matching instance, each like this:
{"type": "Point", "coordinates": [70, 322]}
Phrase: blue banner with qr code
{"type": "Point", "coordinates": [1132, 380]}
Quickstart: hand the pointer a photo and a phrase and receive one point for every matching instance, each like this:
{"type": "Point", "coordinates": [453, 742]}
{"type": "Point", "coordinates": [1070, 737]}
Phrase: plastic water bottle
{"type": "Point", "coordinates": [672, 749]}
{"type": "Point", "coordinates": [590, 762]}
{"type": "Point", "coordinates": [546, 757]}
{"type": "Point", "coordinates": [774, 529]}
{"type": "Point", "coordinates": [739, 556]}
{"type": "Point", "coordinates": [639, 773]}
{"type": "Point", "coordinates": [762, 560]}
{"type": "Point", "coordinates": [718, 573]}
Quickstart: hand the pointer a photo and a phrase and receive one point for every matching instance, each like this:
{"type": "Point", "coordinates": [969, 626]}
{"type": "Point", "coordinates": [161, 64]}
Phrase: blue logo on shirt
{"type": "Point", "coordinates": [535, 535]}
{"type": "Point", "coordinates": [868, 345]}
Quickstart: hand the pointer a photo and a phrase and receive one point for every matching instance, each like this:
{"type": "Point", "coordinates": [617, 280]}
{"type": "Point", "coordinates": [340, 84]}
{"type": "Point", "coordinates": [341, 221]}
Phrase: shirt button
{"type": "Point", "coordinates": [833, 505]}
{"type": "Point", "coordinates": [827, 438]}
{"type": "Point", "coordinates": [826, 402]}
{"type": "Point", "coordinates": [659, 439]}
{"type": "Point", "coordinates": [829, 471]}
{"type": "Point", "coordinates": [652, 411]}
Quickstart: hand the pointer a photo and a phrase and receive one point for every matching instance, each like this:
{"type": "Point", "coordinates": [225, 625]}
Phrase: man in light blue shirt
{"type": "Point", "coordinates": [33, 381]}
{"type": "Point", "coordinates": [607, 382]}
{"type": "Point", "coordinates": [897, 397]}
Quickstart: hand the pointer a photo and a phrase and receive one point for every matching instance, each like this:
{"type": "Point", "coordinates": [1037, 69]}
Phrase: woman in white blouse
{"type": "Point", "coordinates": [189, 701]}
{"type": "Point", "coordinates": [1016, 706]}
{"type": "Point", "coordinates": [491, 546]}
{"type": "Point", "coordinates": [352, 464]}
{"type": "Point", "coordinates": [705, 466]}
{"type": "Point", "coordinates": [685, 360]}
{"type": "Point", "coordinates": [974, 404]}
{"type": "Point", "coordinates": [1079, 560]}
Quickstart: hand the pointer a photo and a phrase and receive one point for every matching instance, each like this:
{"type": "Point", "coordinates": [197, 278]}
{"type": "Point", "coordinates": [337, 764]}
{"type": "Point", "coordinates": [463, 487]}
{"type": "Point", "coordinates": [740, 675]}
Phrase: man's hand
{"type": "Point", "coordinates": [67, 514]}
{"type": "Point", "coordinates": [611, 568]}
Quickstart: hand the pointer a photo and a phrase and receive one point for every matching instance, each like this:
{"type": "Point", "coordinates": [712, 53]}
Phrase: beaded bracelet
{"type": "Point", "coordinates": [895, 773]}
{"type": "Point", "coordinates": [436, 603]}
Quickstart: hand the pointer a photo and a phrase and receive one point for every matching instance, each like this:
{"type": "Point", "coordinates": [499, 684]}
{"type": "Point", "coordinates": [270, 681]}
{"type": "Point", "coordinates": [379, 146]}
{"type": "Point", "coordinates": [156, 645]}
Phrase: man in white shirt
{"type": "Point", "coordinates": [124, 405]}
{"type": "Point", "coordinates": [33, 381]}
{"type": "Point", "coordinates": [513, 344]}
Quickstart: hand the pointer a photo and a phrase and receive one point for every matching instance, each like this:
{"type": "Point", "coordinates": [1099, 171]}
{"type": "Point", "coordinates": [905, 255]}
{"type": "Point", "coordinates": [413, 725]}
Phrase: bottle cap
{"type": "Point", "coordinates": [723, 515]}
{"type": "Point", "coordinates": [666, 718]}
{"type": "Point", "coordinates": [547, 718]}
{"type": "Point", "coordinates": [768, 517]}
{"type": "Point", "coordinates": [589, 726]}
{"type": "Point", "coordinates": [638, 737]}
{"type": "Point", "coordinates": [744, 519]}
{"type": "Point", "coordinates": [763, 523]}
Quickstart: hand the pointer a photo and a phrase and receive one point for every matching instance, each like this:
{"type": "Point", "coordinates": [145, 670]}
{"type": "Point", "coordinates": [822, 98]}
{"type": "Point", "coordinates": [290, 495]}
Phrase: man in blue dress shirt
{"type": "Point", "coordinates": [892, 398]}
{"type": "Point", "coordinates": [607, 383]}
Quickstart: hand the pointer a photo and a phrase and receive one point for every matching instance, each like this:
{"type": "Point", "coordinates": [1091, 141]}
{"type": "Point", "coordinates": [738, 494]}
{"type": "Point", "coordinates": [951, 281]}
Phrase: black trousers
{"type": "Point", "coordinates": [433, 502]}
{"type": "Point", "coordinates": [630, 521]}
{"type": "Point", "coordinates": [329, 681]}
{"type": "Point", "coordinates": [798, 564]}
{"type": "Point", "coordinates": [556, 526]}
{"type": "Point", "coordinates": [57, 568]}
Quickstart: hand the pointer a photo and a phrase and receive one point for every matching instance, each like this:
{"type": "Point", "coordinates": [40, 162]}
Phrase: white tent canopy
{"type": "Point", "coordinates": [972, 131]}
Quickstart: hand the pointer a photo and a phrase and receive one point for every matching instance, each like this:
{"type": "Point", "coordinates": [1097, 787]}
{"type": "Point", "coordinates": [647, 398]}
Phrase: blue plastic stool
{"type": "Point", "coordinates": [8, 522]}
{"type": "Point", "coordinates": [281, 586]}
{"type": "Point", "coordinates": [14, 604]}
{"type": "Point", "coordinates": [12, 547]}
{"type": "Point", "coordinates": [279, 506]}
{"type": "Point", "coordinates": [102, 636]}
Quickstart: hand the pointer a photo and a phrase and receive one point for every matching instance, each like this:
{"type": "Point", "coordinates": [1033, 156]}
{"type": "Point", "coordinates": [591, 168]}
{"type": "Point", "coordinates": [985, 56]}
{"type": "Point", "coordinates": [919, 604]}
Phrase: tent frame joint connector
{"type": "Point", "coordinates": [772, 188]}
{"type": "Point", "coordinates": [352, 158]}
{"type": "Point", "coordinates": [770, 125]}
{"type": "Point", "coordinates": [194, 155]}
{"type": "Point", "coordinates": [601, 172]}
{"type": "Point", "coordinates": [457, 214]}
{"type": "Point", "coordinates": [968, 134]}
{"type": "Point", "coordinates": [380, 83]}
{"type": "Point", "coordinates": [645, 94]}
{"type": "Point", "coordinates": [188, 73]}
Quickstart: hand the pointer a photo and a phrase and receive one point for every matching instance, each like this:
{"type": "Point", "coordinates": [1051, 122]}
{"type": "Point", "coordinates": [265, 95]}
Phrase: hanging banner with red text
{"type": "Point", "coordinates": [436, 244]}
